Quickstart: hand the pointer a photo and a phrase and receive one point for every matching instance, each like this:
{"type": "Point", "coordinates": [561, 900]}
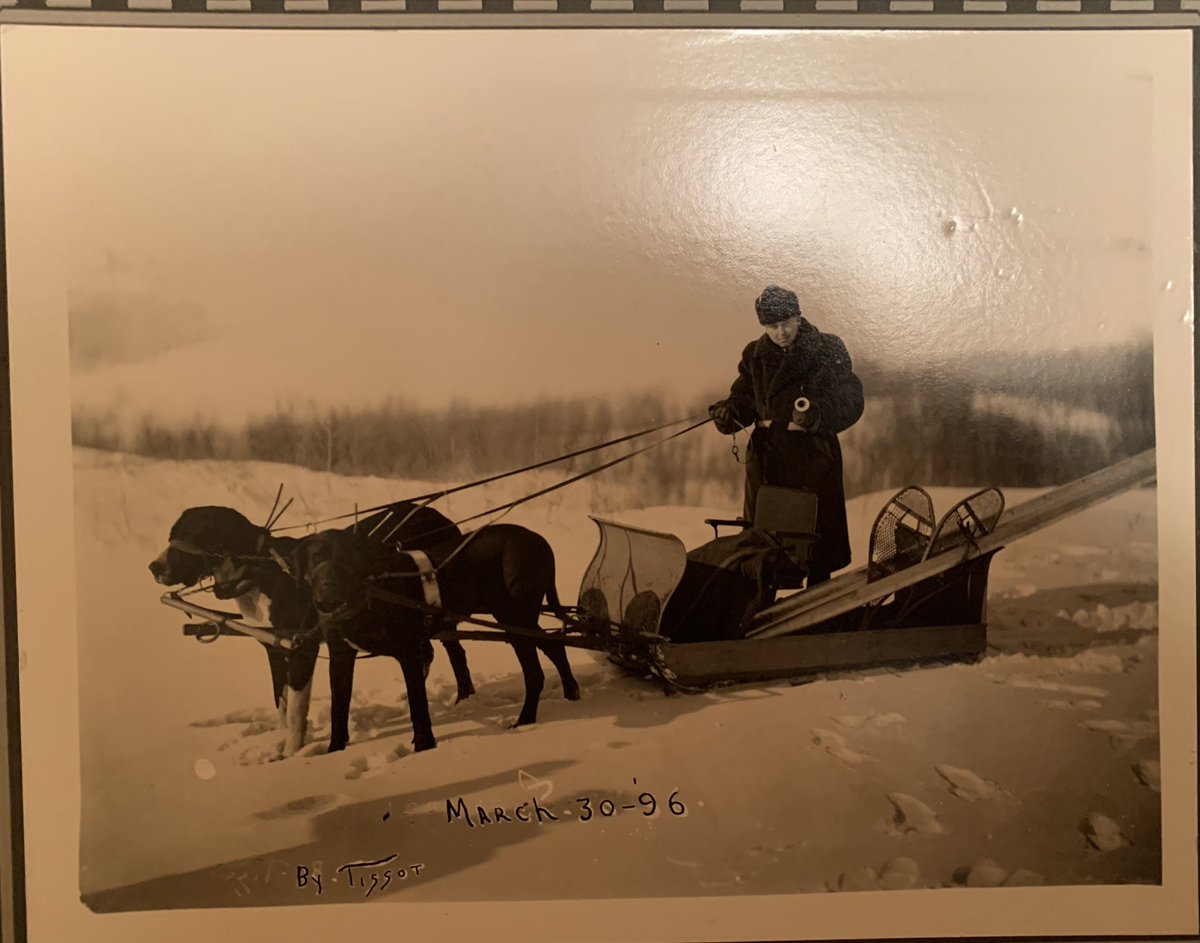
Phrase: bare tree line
{"type": "Point", "coordinates": [1000, 421]}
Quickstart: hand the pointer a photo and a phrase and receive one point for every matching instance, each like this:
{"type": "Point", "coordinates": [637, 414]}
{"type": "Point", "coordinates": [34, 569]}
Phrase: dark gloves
{"type": "Point", "coordinates": [723, 417]}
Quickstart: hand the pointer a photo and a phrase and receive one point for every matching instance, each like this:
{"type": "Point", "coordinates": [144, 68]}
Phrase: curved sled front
{"type": "Point", "coordinates": [631, 577]}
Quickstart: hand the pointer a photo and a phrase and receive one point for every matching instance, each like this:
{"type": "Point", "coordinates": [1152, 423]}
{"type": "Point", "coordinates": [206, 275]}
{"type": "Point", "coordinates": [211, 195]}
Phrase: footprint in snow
{"type": "Point", "coordinates": [1080, 705]}
{"type": "Point", "coordinates": [983, 873]}
{"type": "Point", "coordinates": [969, 786]}
{"type": "Point", "coordinates": [1128, 728]}
{"type": "Point", "coordinates": [449, 703]}
{"type": "Point", "coordinates": [249, 715]}
{"type": "Point", "coordinates": [1103, 833]}
{"type": "Point", "coordinates": [1019, 591]}
{"type": "Point", "coordinates": [1123, 735]}
{"type": "Point", "coordinates": [913, 815]}
{"type": "Point", "coordinates": [862, 878]}
{"type": "Point", "coordinates": [364, 767]}
{"type": "Point", "coordinates": [1093, 662]}
{"type": "Point", "coordinates": [878, 721]}
{"type": "Point", "coordinates": [899, 874]}
{"type": "Point", "coordinates": [260, 755]}
{"type": "Point", "coordinates": [1057, 687]}
{"type": "Point", "coordinates": [302, 806]}
{"type": "Point", "coordinates": [1149, 774]}
{"type": "Point", "coordinates": [835, 745]}
{"type": "Point", "coordinates": [987, 873]}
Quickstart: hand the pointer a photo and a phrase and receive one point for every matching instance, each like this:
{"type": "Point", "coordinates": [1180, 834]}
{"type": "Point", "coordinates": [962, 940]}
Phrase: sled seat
{"type": "Point", "coordinates": [778, 510]}
{"type": "Point", "coordinates": [790, 516]}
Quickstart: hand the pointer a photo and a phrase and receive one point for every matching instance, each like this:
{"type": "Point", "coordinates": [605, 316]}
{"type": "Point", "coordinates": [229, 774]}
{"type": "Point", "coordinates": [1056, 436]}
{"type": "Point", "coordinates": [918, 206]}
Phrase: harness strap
{"type": "Point", "coordinates": [278, 558]}
{"type": "Point", "coordinates": [343, 613]}
{"type": "Point", "coordinates": [426, 573]}
{"type": "Point", "coordinates": [423, 606]}
{"type": "Point", "coordinates": [419, 505]}
{"type": "Point", "coordinates": [184, 547]}
{"type": "Point", "coordinates": [428, 576]}
{"type": "Point", "coordinates": [467, 539]}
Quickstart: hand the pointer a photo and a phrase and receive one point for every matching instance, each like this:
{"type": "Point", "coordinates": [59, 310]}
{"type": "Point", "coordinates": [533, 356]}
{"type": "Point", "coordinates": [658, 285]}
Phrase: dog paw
{"type": "Point", "coordinates": [572, 693]}
{"type": "Point", "coordinates": [336, 746]}
{"type": "Point", "coordinates": [419, 746]}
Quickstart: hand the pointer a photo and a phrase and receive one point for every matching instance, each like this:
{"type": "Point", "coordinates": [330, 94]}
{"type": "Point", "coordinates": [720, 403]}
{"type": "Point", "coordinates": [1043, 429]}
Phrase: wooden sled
{"type": "Point", "coordinates": [921, 599]}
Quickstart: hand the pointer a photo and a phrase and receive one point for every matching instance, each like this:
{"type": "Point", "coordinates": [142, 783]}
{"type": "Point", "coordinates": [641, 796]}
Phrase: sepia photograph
{"type": "Point", "coordinates": [602, 466]}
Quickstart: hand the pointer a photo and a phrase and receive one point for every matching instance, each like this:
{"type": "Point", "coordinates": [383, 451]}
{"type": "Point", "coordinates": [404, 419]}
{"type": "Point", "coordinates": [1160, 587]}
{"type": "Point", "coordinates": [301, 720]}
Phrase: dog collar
{"type": "Point", "coordinates": [344, 612]}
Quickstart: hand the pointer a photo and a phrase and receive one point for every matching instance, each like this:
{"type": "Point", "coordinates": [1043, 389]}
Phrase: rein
{"type": "Point", "coordinates": [561, 484]}
{"type": "Point", "coordinates": [343, 613]}
{"type": "Point", "coordinates": [431, 612]}
{"type": "Point", "coordinates": [425, 499]}
{"type": "Point", "coordinates": [590, 471]}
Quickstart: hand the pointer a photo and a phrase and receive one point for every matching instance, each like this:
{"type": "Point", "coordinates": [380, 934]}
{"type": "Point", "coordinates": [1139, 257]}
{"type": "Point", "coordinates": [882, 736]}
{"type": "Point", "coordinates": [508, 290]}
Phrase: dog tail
{"type": "Point", "coordinates": [553, 602]}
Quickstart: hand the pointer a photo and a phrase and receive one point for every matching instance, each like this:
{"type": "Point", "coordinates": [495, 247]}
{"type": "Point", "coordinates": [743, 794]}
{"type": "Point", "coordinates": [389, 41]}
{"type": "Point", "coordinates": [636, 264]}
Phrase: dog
{"type": "Point", "coordinates": [268, 598]}
{"type": "Point", "coordinates": [502, 570]}
{"type": "Point", "coordinates": [252, 567]}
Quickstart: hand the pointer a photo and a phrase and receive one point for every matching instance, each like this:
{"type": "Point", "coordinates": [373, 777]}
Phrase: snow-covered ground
{"type": "Point", "coordinates": [1039, 764]}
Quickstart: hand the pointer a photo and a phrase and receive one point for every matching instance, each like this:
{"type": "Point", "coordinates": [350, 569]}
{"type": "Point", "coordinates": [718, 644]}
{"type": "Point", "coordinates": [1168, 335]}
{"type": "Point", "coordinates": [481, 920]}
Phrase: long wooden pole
{"type": "Point", "coordinates": [851, 590]}
{"type": "Point", "coordinates": [228, 621]}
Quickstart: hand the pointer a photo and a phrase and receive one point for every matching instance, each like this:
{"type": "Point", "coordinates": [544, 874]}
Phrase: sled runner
{"type": "Point", "coordinates": [710, 615]}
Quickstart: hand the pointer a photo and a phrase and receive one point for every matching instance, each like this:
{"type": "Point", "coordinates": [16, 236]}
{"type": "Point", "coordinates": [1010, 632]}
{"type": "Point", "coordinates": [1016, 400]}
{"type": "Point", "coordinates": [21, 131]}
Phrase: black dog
{"type": "Point", "coordinates": [250, 561]}
{"type": "Point", "coordinates": [502, 570]}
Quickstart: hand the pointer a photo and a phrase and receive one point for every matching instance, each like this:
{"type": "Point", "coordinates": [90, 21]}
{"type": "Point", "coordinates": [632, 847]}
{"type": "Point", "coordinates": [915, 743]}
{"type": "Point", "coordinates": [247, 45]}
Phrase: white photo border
{"type": "Point", "coordinates": [38, 529]}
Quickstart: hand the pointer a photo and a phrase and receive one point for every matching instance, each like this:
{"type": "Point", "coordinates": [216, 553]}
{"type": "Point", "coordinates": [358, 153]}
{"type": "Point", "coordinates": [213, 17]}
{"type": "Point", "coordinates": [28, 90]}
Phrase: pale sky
{"type": "Point", "coordinates": [238, 216]}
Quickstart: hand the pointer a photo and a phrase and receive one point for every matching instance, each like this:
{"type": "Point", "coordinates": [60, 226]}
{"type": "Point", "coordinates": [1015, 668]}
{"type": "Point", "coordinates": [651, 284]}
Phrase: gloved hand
{"type": "Point", "coordinates": [723, 417]}
{"type": "Point", "coordinates": [809, 420]}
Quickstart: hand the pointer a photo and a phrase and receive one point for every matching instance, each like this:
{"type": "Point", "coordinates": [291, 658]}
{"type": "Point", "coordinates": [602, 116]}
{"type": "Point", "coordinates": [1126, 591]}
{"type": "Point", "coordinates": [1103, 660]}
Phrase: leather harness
{"type": "Point", "coordinates": [430, 591]}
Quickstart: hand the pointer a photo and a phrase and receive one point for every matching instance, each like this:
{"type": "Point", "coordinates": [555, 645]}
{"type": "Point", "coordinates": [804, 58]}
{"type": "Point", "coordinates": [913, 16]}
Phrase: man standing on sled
{"type": "Point", "coordinates": [797, 388]}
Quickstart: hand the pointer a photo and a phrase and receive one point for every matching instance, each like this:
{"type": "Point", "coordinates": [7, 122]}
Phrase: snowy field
{"type": "Point", "coordinates": [1039, 764]}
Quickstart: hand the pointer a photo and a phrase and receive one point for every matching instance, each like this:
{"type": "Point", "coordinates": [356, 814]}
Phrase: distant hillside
{"type": "Point", "coordinates": [1009, 420]}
